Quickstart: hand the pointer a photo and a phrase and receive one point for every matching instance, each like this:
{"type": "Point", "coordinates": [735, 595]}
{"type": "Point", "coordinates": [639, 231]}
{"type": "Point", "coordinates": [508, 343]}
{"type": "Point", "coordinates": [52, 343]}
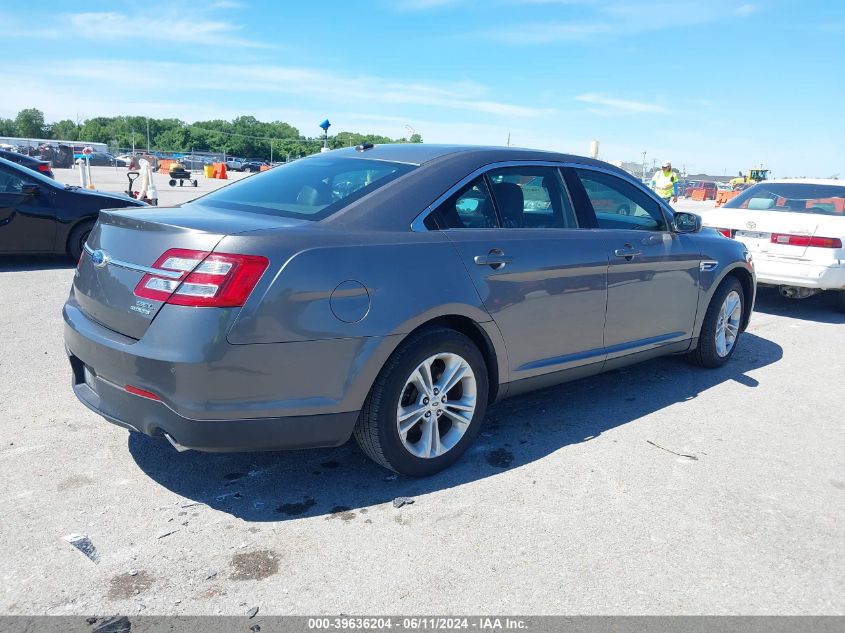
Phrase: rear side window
{"type": "Point", "coordinates": [307, 189]}
{"type": "Point", "coordinates": [468, 208]}
{"type": "Point", "coordinates": [619, 204]}
{"type": "Point", "coordinates": [532, 197]}
{"type": "Point", "coordinates": [792, 197]}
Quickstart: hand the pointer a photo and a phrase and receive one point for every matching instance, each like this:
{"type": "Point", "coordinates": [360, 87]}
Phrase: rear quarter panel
{"type": "Point", "coordinates": [380, 283]}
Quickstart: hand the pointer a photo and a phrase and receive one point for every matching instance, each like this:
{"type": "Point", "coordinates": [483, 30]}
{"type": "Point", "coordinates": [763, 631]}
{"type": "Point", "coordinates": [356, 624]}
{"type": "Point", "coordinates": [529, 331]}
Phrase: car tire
{"type": "Point", "coordinates": [722, 320]}
{"type": "Point", "coordinates": [434, 439]}
{"type": "Point", "coordinates": [76, 240]}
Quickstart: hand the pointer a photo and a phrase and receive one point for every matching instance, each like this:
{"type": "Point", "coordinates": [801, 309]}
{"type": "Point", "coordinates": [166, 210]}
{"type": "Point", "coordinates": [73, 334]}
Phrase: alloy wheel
{"type": "Point", "coordinates": [727, 324]}
{"type": "Point", "coordinates": [436, 405]}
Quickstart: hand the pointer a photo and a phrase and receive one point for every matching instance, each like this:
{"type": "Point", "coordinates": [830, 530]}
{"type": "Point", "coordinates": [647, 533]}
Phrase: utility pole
{"type": "Point", "coordinates": [644, 153]}
{"type": "Point", "coordinates": [148, 134]}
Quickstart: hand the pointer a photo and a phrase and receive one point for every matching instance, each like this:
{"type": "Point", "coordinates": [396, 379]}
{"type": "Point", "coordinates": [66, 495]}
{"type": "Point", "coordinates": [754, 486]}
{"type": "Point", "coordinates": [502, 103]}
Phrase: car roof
{"type": "Point", "coordinates": [804, 181]}
{"type": "Point", "coordinates": [5, 153]}
{"type": "Point", "coordinates": [422, 153]}
{"type": "Point", "coordinates": [439, 167]}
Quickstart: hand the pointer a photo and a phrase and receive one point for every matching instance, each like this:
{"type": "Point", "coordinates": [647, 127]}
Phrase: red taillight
{"type": "Point", "coordinates": [806, 240]}
{"type": "Point", "coordinates": [726, 232]}
{"type": "Point", "coordinates": [141, 392]}
{"type": "Point", "coordinates": [219, 280]}
{"type": "Point", "coordinates": [45, 167]}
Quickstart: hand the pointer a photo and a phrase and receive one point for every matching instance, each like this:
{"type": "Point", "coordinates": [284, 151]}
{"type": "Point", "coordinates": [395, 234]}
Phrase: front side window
{"type": "Point", "coordinates": [793, 197]}
{"type": "Point", "coordinates": [307, 189]}
{"type": "Point", "coordinates": [619, 204]}
{"type": "Point", "coordinates": [468, 208]}
{"type": "Point", "coordinates": [532, 197]}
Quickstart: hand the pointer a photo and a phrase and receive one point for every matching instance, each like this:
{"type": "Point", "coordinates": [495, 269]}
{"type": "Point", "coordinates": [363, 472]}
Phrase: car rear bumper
{"type": "Point", "coordinates": [216, 396]}
{"type": "Point", "coordinates": [154, 418]}
{"type": "Point", "coordinates": [780, 272]}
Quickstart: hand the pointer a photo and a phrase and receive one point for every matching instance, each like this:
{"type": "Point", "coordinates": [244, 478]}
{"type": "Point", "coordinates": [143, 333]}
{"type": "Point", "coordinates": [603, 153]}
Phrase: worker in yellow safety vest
{"type": "Point", "coordinates": [664, 181]}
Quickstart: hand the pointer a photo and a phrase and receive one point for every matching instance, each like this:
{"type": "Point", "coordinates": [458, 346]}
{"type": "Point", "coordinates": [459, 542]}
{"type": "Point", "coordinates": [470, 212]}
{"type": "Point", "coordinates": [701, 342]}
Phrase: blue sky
{"type": "Point", "coordinates": [715, 85]}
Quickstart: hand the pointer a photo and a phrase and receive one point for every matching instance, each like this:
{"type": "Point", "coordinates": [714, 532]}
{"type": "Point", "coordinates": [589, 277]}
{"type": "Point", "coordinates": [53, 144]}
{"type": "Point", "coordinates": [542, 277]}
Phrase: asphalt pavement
{"type": "Point", "coordinates": [658, 489]}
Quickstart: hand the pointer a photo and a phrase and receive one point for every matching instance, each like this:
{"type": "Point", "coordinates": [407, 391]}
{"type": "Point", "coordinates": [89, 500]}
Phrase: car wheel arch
{"type": "Point", "coordinates": [477, 334]}
{"type": "Point", "coordinates": [747, 282]}
{"type": "Point", "coordinates": [745, 279]}
{"type": "Point", "coordinates": [72, 229]}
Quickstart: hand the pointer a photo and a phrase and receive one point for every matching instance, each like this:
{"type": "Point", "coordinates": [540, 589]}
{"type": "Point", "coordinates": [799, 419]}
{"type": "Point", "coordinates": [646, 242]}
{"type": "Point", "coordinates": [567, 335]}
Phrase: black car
{"type": "Point", "coordinates": [104, 159]}
{"type": "Point", "coordinates": [40, 215]}
{"type": "Point", "coordinates": [254, 164]}
{"type": "Point", "coordinates": [41, 166]}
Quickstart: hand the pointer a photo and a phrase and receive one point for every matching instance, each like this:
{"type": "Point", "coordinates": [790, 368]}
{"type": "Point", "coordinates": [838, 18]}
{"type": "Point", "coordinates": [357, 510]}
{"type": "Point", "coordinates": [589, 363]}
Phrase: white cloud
{"type": "Point", "coordinates": [162, 79]}
{"type": "Point", "coordinates": [423, 5]}
{"type": "Point", "coordinates": [547, 32]}
{"type": "Point", "coordinates": [614, 105]}
{"type": "Point", "coordinates": [113, 25]}
{"type": "Point", "coordinates": [225, 4]}
{"type": "Point", "coordinates": [608, 17]}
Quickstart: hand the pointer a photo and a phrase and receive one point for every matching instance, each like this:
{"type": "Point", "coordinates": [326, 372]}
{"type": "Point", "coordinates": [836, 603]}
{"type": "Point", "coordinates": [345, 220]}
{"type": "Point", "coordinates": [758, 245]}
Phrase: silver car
{"type": "Point", "coordinates": [392, 293]}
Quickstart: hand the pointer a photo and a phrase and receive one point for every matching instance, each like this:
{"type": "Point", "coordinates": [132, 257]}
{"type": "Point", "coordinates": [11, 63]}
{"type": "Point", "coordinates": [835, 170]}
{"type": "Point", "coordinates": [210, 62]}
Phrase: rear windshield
{"type": "Point", "coordinates": [794, 197]}
{"type": "Point", "coordinates": [307, 189]}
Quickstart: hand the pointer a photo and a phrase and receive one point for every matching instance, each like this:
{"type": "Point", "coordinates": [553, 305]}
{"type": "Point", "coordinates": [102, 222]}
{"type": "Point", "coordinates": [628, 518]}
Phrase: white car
{"type": "Point", "coordinates": [794, 230]}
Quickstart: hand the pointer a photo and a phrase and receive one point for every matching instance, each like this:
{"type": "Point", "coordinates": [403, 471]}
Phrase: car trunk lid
{"type": "Point", "coordinates": [125, 245]}
{"type": "Point", "coordinates": [755, 230]}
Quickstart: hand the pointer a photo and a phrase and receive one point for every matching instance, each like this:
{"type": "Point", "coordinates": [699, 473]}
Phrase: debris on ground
{"type": "Point", "coordinates": [167, 533]}
{"type": "Point", "coordinates": [668, 450]}
{"type": "Point", "coordinates": [252, 612]}
{"type": "Point", "coordinates": [398, 502]}
{"type": "Point", "coordinates": [211, 574]}
{"type": "Point", "coordinates": [84, 545]}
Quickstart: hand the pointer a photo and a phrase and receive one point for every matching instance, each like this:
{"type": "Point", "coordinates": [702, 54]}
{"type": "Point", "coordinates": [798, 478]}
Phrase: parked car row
{"type": "Point", "coordinates": [710, 188]}
{"type": "Point", "coordinates": [245, 164]}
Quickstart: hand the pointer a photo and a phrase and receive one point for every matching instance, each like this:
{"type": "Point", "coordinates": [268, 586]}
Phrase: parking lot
{"type": "Point", "coordinates": [658, 489]}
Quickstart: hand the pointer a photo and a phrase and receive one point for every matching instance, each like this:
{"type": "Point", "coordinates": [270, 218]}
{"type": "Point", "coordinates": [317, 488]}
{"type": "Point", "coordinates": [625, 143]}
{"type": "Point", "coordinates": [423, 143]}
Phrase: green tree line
{"type": "Point", "coordinates": [243, 136]}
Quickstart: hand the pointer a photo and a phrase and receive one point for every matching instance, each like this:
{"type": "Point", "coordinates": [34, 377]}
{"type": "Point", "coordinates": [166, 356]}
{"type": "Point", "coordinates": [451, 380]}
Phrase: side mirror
{"type": "Point", "coordinates": [687, 222]}
{"type": "Point", "coordinates": [31, 191]}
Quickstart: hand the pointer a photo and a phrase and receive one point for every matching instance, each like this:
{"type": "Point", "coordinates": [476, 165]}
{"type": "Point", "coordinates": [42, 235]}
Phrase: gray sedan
{"type": "Point", "coordinates": [392, 293]}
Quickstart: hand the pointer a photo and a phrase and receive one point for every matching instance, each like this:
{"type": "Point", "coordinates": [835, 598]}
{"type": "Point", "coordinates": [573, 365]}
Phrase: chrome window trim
{"type": "Point", "coordinates": [418, 226]}
{"type": "Point", "coordinates": [158, 272]}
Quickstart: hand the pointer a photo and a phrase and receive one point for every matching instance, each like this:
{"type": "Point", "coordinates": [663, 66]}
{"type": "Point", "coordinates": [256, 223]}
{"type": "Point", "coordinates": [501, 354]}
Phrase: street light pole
{"type": "Point", "coordinates": [148, 134]}
{"type": "Point", "coordinates": [644, 153]}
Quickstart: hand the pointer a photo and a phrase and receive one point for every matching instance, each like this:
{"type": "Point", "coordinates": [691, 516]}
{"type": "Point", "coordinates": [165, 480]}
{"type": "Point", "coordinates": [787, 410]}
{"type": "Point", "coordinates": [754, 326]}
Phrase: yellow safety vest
{"type": "Point", "coordinates": [663, 184]}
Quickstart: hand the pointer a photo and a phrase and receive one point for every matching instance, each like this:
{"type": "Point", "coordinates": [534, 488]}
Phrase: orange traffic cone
{"type": "Point", "coordinates": [222, 174]}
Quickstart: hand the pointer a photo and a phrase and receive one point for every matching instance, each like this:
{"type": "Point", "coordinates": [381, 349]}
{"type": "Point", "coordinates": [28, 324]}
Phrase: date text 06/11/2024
{"type": "Point", "coordinates": [431, 623]}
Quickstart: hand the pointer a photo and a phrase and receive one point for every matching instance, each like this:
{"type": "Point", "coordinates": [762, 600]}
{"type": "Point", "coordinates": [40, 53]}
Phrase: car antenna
{"type": "Point", "coordinates": [364, 146]}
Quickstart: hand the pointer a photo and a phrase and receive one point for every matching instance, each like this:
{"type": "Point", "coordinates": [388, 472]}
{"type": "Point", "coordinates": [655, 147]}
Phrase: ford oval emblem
{"type": "Point", "coordinates": [751, 225]}
{"type": "Point", "coordinates": [99, 258]}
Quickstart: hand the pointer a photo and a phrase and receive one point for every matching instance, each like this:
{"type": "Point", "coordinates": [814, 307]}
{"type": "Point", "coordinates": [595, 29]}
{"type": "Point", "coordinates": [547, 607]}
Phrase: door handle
{"type": "Point", "coordinates": [495, 259]}
{"type": "Point", "coordinates": [628, 252]}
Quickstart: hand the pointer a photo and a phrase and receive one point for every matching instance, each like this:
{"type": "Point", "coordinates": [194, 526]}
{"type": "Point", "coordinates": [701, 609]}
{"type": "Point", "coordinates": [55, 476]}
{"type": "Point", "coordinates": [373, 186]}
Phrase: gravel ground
{"type": "Point", "coordinates": [659, 489]}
